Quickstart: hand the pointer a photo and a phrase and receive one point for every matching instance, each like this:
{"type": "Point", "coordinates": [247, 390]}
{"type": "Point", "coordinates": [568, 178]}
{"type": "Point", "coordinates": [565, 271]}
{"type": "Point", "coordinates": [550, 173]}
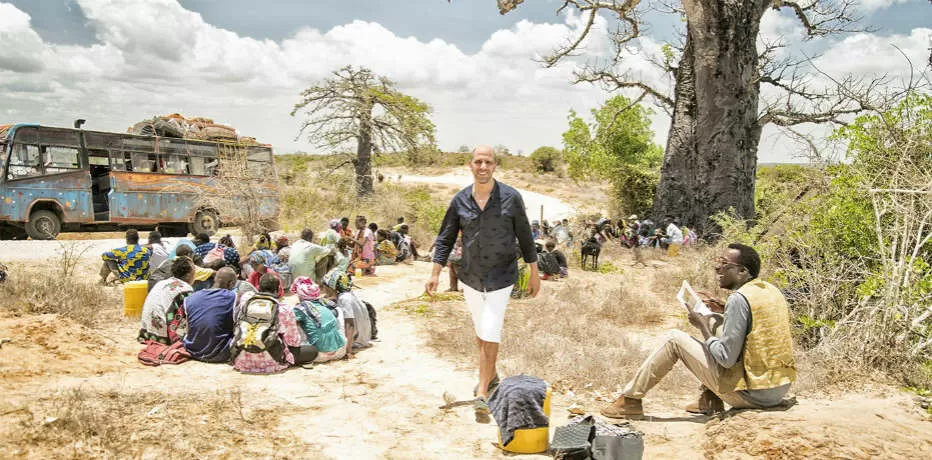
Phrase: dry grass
{"type": "Point", "coordinates": [587, 332]}
{"type": "Point", "coordinates": [41, 290]}
{"type": "Point", "coordinates": [79, 424]}
{"type": "Point", "coordinates": [313, 200]}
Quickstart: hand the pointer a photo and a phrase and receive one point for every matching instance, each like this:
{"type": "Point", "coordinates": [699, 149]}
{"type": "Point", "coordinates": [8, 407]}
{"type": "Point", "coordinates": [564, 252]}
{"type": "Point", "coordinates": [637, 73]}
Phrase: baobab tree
{"type": "Point", "coordinates": [357, 106]}
{"type": "Point", "coordinates": [715, 101]}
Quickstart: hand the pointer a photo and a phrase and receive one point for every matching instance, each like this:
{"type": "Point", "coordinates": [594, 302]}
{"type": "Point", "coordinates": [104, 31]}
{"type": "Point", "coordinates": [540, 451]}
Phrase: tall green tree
{"type": "Point", "coordinates": [356, 106]}
{"type": "Point", "coordinates": [617, 145]}
{"type": "Point", "coordinates": [717, 101]}
{"type": "Point", "coordinates": [547, 159]}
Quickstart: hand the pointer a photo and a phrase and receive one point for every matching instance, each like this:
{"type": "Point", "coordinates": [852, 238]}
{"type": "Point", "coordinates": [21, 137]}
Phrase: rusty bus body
{"type": "Point", "coordinates": [56, 179]}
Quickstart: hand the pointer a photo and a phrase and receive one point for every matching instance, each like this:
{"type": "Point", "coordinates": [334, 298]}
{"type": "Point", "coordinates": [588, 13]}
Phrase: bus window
{"type": "Point", "coordinates": [259, 161]}
{"type": "Point", "coordinates": [61, 159]}
{"type": "Point", "coordinates": [102, 141]}
{"type": "Point", "coordinates": [141, 152]}
{"type": "Point", "coordinates": [60, 150]}
{"type": "Point", "coordinates": [120, 161]}
{"type": "Point", "coordinates": [174, 164]}
{"type": "Point", "coordinates": [24, 162]}
{"type": "Point", "coordinates": [198, 167]}
{"type": "Point", "coordinates": [98, 158]}
{"type": "Point", "coordinates": [144, 162]}
{"type": "Point", "coordinates": [202, 155]}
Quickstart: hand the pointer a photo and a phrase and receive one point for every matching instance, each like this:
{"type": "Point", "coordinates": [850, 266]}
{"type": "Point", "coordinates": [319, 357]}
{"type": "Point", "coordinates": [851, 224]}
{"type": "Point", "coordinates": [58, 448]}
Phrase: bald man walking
{"type": "Point", "coordinates": [495, 227]}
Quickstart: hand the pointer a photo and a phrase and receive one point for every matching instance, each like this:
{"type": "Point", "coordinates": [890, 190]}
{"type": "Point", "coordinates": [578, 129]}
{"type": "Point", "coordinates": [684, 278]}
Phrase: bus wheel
{"type": "Point", "coordinates": [206, 221]}
{"type": "Point", "coordinates": [43, 225]}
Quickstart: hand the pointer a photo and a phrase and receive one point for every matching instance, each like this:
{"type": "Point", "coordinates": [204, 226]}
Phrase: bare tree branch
{"type": "Point", "coordinates": [824, 17]}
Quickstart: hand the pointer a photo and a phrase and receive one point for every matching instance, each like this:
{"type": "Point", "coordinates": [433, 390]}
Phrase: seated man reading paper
{"type": "Point", "coordinates": [750, 366]}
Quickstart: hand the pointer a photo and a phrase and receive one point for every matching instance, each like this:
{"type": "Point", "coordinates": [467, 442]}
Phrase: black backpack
{"type": "Point", "coordinates": [372, 319]}
{"type": "Point", "coordinates": [547, 263]}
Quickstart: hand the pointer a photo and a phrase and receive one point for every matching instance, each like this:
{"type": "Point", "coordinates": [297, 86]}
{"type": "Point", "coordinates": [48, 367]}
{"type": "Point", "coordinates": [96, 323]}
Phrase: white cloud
{"type": "Point", "coordinates": [156, 57]}
{"type": "Point", "coordinates": [867, 54]}
{"type": "Point", "coordinates": [873, 5]}
{"type": "Point", "coordinates": [22, 49]}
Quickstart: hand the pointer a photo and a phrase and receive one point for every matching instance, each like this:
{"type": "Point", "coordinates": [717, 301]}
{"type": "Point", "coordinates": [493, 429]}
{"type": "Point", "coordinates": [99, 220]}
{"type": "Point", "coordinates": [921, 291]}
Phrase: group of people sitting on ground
{"type": "Point", "coordinates": [375, 246]}
{"type": "Point", "coordinates": [225, 307]}
{"type": "Point", "coordinates": [559, 232]}
{"type": "Point", "coordinates": [633, 233]}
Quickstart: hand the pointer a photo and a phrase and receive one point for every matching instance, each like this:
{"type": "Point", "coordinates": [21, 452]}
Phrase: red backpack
{"type": "Point", "coordinates": [155, 353]}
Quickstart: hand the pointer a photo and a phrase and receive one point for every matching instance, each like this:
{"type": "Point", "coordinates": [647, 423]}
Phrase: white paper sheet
{"type": "Point", "coordinates": [694, 303]}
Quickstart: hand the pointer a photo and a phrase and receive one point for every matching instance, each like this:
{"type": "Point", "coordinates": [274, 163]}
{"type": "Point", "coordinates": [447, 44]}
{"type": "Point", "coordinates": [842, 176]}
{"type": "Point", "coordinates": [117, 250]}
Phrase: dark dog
{"type": "Point", "coordinates": [591, 247]}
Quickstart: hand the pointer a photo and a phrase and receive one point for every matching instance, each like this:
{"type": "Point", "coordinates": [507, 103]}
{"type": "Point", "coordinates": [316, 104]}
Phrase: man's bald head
{"type": "Point", "coordinates": [483, 164]}
{"type": "Point", "coordinates": [225, 278]}
{"type": "Point", "coordinates": [484, 150]}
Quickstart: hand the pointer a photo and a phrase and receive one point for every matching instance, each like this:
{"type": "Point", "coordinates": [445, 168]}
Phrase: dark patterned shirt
{"type": "Point", "coordinates": [230, 255]}
{"type": "Point", "coordinates": [492, 237]}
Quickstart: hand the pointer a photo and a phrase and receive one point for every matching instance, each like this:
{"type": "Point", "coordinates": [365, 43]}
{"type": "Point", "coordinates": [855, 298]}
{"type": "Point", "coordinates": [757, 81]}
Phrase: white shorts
{"type": "Point", "coordinates": [488, 311]}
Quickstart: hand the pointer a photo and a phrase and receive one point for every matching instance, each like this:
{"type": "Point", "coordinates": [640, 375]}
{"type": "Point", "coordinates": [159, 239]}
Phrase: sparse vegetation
{"type": "Point", "coordinates": [616, 146]}
{"type": "Point", "coordinates": [584, 332]}
{"type": "Point", "coordinates": [547, 159]}
{"type": "Point", "coordinates": [79, 423]}
{"type": "Point", "coordinates": [45, 290]}
{"type": "Point", "coordinates": [852, 250]}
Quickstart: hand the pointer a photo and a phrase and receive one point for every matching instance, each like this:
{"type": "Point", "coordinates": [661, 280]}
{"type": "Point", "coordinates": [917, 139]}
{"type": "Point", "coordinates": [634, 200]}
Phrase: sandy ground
{"type": "Point", "coordinates": [385, 403]}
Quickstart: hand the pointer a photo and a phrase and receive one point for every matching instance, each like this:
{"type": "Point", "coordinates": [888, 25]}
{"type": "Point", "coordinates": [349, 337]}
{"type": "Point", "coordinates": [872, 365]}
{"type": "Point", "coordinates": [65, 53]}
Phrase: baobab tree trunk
{"type": "Point", "coordinates": [364, 159]}
{"type": "Point", "coordinates": [711, 157]}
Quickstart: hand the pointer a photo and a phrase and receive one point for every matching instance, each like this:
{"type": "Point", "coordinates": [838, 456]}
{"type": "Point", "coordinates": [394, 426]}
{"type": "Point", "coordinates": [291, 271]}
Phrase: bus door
{"type": "Point", "coordinates": [103, 155]}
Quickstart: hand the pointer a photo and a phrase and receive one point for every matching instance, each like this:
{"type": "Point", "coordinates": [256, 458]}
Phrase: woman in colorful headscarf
{"type": "Point", "coordinates": [331, 237]}
{"type": "Point", "coordinates": [385, 251]}
{"type": "Point", "coordinates": [338, 286]}
{"type": "Point", "coordinates": [320, 319]}
{"type": "Point", "coordinates": [163, 317]}
{"type": "Point", "coordinates": [264, 242]}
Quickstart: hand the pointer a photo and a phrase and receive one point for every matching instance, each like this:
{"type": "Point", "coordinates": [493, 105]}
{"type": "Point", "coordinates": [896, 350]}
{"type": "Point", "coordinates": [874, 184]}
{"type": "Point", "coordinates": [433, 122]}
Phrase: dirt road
{"type": "Point", "coordinates": [553, 208]}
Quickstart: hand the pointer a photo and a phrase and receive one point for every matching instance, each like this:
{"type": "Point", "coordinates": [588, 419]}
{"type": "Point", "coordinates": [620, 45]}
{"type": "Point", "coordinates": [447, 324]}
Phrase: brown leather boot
{"type": "Point", "coordinates": [709, 403]}
{"type": "Point", "coordinates": [624, 407]}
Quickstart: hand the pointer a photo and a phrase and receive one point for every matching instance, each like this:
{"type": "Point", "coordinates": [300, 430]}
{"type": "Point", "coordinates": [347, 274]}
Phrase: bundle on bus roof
{"type": "Point", "coordinates": [177, 125]}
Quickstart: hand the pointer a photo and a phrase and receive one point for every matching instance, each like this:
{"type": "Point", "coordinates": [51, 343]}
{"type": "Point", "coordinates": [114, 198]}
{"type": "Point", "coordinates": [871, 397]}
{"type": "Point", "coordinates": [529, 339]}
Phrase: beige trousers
{"type": "Point", "coordinates": [680, 346]}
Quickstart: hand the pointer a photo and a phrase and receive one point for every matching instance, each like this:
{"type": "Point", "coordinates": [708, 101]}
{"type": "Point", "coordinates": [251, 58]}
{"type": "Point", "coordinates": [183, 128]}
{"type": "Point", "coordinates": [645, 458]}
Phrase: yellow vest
{"type": "Point", "coordinates": [768, 349]}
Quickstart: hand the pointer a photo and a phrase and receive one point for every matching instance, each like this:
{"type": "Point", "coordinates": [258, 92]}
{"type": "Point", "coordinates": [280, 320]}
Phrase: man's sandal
{"type": "Point", "coordinates": [492, 386]}
{"type": "Point", "coordinates": [481, 406]}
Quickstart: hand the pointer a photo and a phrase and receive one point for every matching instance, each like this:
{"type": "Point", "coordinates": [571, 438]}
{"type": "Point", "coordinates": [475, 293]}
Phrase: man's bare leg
{"type": "Point", "coordinates": [488, 354]}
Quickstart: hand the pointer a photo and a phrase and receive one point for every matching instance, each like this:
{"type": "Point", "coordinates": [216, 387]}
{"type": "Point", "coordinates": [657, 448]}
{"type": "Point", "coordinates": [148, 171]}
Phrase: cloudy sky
{"type": "Point", "coordinates": [244, 62]}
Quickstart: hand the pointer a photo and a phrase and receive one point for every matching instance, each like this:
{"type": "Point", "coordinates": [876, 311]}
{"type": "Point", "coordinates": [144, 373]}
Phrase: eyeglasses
{"type": "Point", "coordinates": [721, 262]}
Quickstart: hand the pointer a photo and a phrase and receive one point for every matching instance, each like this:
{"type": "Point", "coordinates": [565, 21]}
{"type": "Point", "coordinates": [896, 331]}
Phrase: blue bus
{"type": "Point", "coordinates": [64, 179]}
